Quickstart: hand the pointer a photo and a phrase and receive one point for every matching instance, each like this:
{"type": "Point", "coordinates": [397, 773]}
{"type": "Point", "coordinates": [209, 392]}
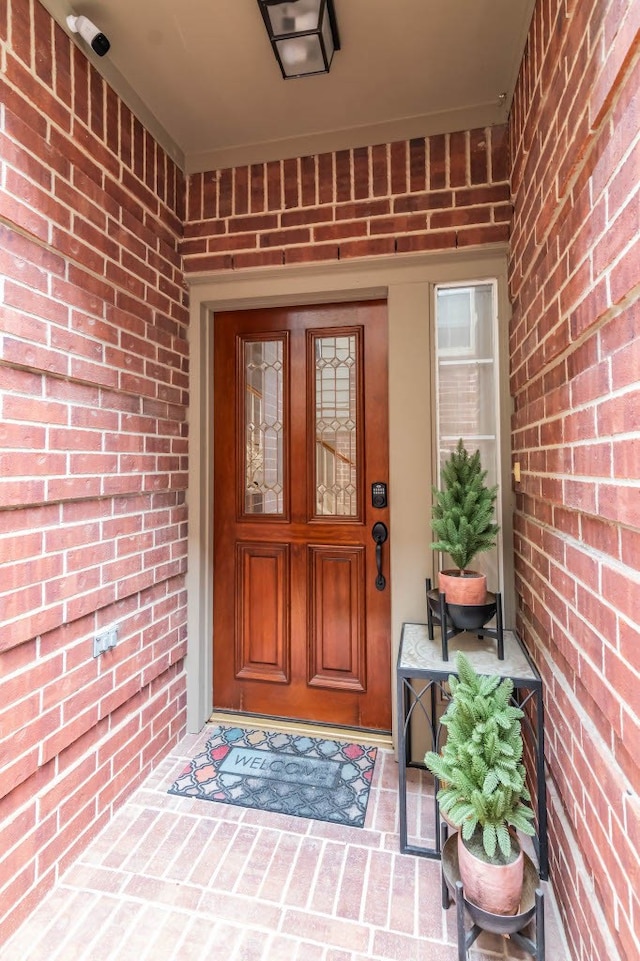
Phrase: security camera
{"type": "Point", "coordinates": [89, 32]}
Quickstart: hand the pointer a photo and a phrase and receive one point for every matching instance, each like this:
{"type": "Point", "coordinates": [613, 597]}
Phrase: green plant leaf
{"type": "Point", "coordinates": [468, 827]}
{"type": "Point", "coordinates": [489, 839]}
{"type": "Point", "coordinates": [490, 782]}
{"type": "Point", "coordinates": [521, 819]}
{"type": "Point", "coordinates": [504, 839]}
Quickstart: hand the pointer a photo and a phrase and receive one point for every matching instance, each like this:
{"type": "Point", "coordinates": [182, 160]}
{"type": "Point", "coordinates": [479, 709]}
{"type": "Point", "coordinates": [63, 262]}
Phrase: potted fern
{"type": "Point", "coordinates": [483, 788]}
{"type": "Point", "coordinates": [462, 520]}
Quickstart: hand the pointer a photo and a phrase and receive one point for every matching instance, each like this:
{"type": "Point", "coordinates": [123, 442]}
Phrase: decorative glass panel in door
{"type": "Point", "coordinates": [264, 379]}
{"type": "Point", "coordinates": [336, 425]}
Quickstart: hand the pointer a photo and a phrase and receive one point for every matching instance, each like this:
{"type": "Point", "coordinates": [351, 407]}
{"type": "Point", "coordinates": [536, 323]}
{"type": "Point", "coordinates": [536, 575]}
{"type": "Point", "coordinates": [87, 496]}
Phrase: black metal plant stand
{"type": "Point", "coordinates": [514, 925]}
{"type": "Point", "coordinates": [454, 619]}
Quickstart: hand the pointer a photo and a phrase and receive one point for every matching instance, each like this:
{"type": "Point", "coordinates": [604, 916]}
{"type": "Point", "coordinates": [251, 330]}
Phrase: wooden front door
{"type": "Point", "coordinates": [301, 614]}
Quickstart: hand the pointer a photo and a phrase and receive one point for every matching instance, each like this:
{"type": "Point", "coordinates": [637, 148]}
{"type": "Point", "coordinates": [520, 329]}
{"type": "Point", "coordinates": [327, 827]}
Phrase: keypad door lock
{"type": "Point", "coordinates": [378, 494]}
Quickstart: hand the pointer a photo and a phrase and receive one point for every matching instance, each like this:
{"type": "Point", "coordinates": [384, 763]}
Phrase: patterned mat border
{"type": "Point", "coordinates": [344, 801]}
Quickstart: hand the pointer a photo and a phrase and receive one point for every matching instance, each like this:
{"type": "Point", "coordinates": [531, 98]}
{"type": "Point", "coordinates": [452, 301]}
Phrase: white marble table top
{"type": "Point", "coordinates": [419, 653]}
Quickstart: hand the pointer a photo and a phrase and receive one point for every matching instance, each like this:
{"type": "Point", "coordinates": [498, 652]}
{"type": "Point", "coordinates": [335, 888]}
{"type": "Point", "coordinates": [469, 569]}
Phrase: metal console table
{"type": "Point", "coordinates": [422, 675]}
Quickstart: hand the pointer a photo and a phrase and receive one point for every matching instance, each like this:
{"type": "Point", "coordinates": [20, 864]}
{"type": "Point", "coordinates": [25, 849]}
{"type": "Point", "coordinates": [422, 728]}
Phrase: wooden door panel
{"type": "Point", "coordinates": [262, 612]}
{"type": "Point", "coordinates": [301, 432]}
{"type": "Point", "coordinates": [336, 636]}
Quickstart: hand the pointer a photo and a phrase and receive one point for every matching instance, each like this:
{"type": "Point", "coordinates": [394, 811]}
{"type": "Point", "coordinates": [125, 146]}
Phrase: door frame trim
{"type": "Point", "coordinates": [406, 284]}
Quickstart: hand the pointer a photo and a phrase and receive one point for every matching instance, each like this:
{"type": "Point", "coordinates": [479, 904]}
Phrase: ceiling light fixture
{"type": "Point", "coordinates": [303, 34]}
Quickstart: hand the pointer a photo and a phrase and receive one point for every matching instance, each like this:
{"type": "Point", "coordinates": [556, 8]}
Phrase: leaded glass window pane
{"type": "Point", "coordinates": [336, 427]}
{"type": "Point", "coordinates": [263, 427]}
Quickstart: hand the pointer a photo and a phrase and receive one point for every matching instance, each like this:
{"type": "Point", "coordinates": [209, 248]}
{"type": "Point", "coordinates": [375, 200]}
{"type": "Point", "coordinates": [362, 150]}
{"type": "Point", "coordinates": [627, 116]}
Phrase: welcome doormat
{"type": "Point", "coordinates": [286, 773]}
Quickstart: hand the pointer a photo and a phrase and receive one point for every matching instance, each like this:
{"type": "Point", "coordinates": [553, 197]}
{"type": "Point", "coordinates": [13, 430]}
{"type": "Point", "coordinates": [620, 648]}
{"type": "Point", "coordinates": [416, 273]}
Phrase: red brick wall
{"type": "Point", "coordinates": [575, 360]}
{"type": "Point", "coordinates": [432, 193]}
{"type": "Point", "coordinates": [93, 388]}
{"type": "Point", "coordinates": [93, 446]}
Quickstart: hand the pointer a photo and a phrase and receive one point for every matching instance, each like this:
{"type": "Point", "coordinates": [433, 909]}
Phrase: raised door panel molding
{"type": "Point", "coordinates": [262, 612]}
{"type": "Point", "coordinates": [337, 642]}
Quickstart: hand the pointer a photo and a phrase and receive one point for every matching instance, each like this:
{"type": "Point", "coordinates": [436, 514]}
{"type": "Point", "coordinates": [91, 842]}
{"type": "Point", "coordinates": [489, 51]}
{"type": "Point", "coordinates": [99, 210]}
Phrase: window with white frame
{"type": "Point", "coordinates": [467, 383]}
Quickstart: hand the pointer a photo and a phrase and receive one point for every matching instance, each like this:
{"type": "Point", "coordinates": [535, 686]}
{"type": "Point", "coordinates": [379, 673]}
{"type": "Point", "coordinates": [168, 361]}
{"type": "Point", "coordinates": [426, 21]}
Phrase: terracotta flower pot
{"type": "Point", "coordinates": [496, 888]}
{"type": "Point", "coordinates": [470, 589]}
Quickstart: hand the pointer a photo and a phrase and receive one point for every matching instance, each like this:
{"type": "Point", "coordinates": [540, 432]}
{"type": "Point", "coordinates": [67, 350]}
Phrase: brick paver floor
{"type": "Point", "coordinates": [172, 879]}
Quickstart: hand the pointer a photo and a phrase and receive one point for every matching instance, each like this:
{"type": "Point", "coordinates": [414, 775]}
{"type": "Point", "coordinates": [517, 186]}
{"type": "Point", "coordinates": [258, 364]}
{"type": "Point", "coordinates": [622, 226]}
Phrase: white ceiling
{"type": "Point", "coordinates": [201, 75]}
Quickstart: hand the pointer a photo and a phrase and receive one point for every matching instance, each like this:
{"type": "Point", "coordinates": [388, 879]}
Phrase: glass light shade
{"type": "Point", "coordinates": [303, 35]}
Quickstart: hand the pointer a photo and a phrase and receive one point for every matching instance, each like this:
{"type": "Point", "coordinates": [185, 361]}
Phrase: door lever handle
{"type": "Point", "coordinates": [379, 533]}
